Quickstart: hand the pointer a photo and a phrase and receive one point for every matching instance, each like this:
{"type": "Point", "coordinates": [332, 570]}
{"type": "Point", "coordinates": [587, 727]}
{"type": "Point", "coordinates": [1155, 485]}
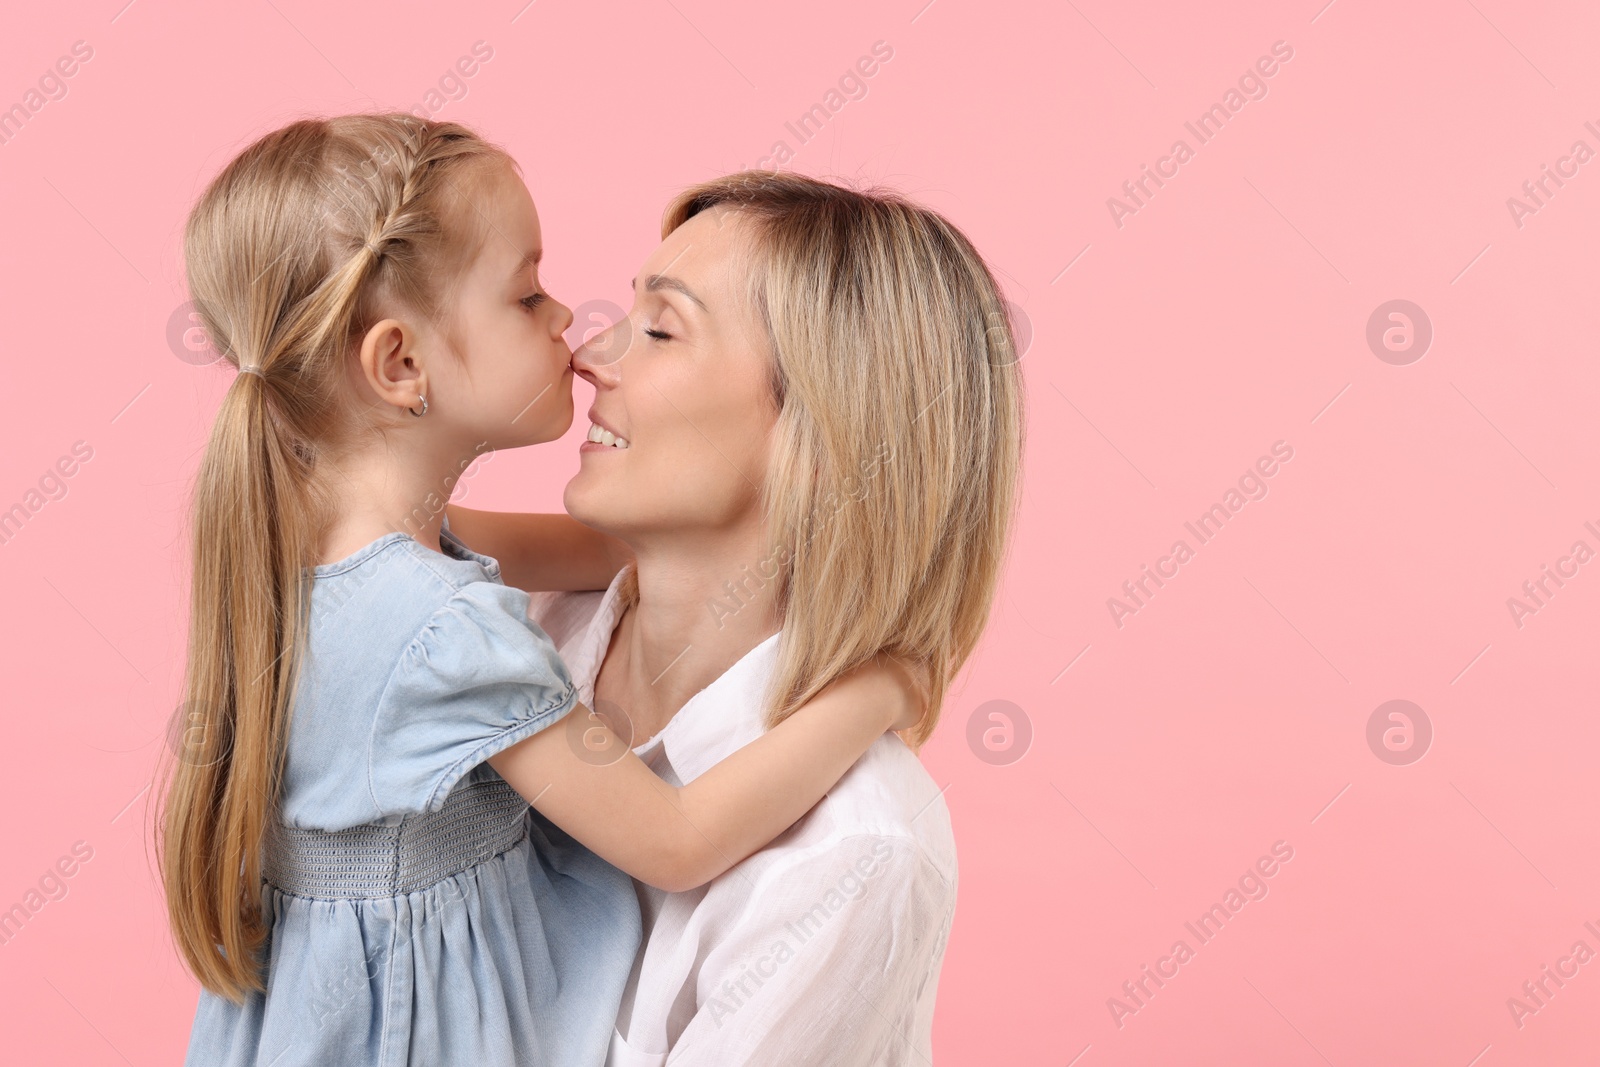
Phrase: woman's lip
{"type": "Point", "coordinates": [605, 425]}
{"type": "Point", "coordinates": [596, 446]}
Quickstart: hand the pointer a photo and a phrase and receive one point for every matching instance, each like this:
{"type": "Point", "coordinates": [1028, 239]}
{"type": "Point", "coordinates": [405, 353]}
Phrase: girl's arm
{"type": "Point", "coordinates": [540, 552]}
{"type": "Point", "coordinates": [678, 838]}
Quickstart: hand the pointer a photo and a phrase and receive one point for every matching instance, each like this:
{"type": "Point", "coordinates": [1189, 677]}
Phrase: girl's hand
{"type": "Point", "coordinates": [886, 684]}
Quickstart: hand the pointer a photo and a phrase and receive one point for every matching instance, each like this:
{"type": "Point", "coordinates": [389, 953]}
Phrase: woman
{"type": "Point", "coordinates": [808, 431]}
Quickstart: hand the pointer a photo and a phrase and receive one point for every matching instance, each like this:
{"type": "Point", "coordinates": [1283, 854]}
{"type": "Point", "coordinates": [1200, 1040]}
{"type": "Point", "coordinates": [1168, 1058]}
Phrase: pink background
{"type": "Point", "coordinates": [1229, 312]}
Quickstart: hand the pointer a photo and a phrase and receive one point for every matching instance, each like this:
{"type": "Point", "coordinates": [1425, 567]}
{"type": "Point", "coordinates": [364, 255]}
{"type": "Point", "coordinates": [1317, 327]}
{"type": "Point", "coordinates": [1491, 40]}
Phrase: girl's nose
{"type": "Point", "coordinates": [562, 320]}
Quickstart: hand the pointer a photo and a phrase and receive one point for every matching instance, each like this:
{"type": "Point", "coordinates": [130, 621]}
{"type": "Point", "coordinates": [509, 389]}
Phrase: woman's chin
{"type": "Point", "coordinates": [582, 498]}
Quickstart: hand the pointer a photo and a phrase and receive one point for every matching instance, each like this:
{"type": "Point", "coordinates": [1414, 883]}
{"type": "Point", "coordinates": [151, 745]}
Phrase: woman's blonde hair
{"type": "Point", "coordinates": [292, 253]}
{"type": "Point", "coordinates": [897, 451]}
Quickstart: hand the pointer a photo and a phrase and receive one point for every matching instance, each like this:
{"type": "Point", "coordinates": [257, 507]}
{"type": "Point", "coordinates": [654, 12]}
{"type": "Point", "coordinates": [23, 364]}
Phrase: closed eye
{"type": "Point", "coordinates": [531, 302]}
{"type": "Point", "coordinates": [659, 335]}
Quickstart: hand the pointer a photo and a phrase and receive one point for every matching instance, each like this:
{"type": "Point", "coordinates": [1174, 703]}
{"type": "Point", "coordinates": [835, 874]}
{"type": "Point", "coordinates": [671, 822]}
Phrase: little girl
{"type": "Point", "coordinates": [352, 869]}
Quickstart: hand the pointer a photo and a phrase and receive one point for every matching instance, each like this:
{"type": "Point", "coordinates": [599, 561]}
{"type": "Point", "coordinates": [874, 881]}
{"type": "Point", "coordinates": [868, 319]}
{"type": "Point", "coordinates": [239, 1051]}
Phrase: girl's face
{"type": "Point", "coordinates": [511, 381]}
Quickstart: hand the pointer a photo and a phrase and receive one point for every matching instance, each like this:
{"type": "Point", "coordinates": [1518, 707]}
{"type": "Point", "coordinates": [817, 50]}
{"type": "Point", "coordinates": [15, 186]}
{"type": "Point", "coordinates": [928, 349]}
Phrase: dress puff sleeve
{"type": "Point", "coordinates": [479, 677]}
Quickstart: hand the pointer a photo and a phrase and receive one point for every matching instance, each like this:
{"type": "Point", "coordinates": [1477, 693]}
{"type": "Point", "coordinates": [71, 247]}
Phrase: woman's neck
{"type": "Point", "coordinates": [700, 608]}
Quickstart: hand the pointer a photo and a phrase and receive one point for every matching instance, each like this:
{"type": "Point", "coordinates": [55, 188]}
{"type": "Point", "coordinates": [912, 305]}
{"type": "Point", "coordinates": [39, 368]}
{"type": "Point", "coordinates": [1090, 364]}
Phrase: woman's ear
{"type": "Point", "coordinates": [390, 365]}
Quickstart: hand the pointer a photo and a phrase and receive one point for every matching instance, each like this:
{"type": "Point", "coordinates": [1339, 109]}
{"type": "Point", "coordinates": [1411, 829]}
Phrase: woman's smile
{"type": "Point", "coordinates": [602, 436]}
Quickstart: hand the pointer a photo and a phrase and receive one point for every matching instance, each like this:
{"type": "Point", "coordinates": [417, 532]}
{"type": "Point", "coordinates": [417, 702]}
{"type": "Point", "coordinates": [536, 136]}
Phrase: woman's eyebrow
{"type": "Point", "coordinates": [666, 281]}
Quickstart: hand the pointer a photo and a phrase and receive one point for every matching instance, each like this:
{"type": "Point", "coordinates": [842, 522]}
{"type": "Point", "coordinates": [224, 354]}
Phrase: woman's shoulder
{"type": "Point", "coordinates": [889, 796]}
{"type": "Point", "coordinates": [564, 615]}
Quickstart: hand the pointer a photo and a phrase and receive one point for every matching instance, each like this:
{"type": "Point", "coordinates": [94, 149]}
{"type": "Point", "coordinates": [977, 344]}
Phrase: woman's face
{"type": "Point", "coordinates": [683, 381]}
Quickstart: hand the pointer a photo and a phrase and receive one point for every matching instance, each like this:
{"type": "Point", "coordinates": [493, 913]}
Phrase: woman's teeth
{"type": "Point", "coordinates": [606, 437]}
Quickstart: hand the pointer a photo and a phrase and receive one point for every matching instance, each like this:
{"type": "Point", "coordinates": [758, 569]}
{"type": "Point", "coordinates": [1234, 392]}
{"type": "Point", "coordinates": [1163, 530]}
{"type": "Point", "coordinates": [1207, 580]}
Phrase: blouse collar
{"type": "Point", "coordinates": [716, 722]}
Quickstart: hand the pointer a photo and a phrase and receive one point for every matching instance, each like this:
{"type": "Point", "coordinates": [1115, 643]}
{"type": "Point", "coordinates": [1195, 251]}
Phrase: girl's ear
{"type": "Point", "coordinates": [391, 366]}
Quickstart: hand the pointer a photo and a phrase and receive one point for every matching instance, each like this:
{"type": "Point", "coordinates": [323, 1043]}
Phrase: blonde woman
{"type": "Point", "coordinates": [808, 430]}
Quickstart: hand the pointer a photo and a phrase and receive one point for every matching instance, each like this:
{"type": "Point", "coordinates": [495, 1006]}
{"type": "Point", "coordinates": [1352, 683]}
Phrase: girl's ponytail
{"type": "Point", "coordinates": [292, 253]}
{"type": "Point", "coordinates": [251, 520]}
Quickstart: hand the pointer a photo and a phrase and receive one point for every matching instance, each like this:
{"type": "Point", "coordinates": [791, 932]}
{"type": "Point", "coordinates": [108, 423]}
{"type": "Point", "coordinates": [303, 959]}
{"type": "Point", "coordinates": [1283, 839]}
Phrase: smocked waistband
{"type": "Point", "coordinates": [478, 822]}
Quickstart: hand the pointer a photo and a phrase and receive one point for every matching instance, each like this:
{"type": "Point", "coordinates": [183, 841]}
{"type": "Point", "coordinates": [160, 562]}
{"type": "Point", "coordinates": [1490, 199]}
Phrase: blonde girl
{"type": "Point", "coordinates": [352, 869]}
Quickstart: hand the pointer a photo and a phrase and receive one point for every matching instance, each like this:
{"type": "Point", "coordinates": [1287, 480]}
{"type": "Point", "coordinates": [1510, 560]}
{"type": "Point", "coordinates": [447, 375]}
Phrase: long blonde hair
{"type": "Point", "coordinates": [292, 252]}
{"type": "Point", "coordinates": [897, 451]}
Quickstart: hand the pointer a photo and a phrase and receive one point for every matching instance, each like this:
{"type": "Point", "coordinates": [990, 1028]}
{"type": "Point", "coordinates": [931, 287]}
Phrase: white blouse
{"type": "Point", "coordinates": [822, 948]}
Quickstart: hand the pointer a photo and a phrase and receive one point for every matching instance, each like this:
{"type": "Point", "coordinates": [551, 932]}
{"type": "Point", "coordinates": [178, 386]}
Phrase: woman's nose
{"type": "Point", "coordinates": [601, 353]}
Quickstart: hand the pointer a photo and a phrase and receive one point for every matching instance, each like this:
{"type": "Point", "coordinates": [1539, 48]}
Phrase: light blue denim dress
{"type": "Point", "coordinates": [421, 913]}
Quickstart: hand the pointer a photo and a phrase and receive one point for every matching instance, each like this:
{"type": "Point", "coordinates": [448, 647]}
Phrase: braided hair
{"type": "Point", "coordinates": [291, 253]}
